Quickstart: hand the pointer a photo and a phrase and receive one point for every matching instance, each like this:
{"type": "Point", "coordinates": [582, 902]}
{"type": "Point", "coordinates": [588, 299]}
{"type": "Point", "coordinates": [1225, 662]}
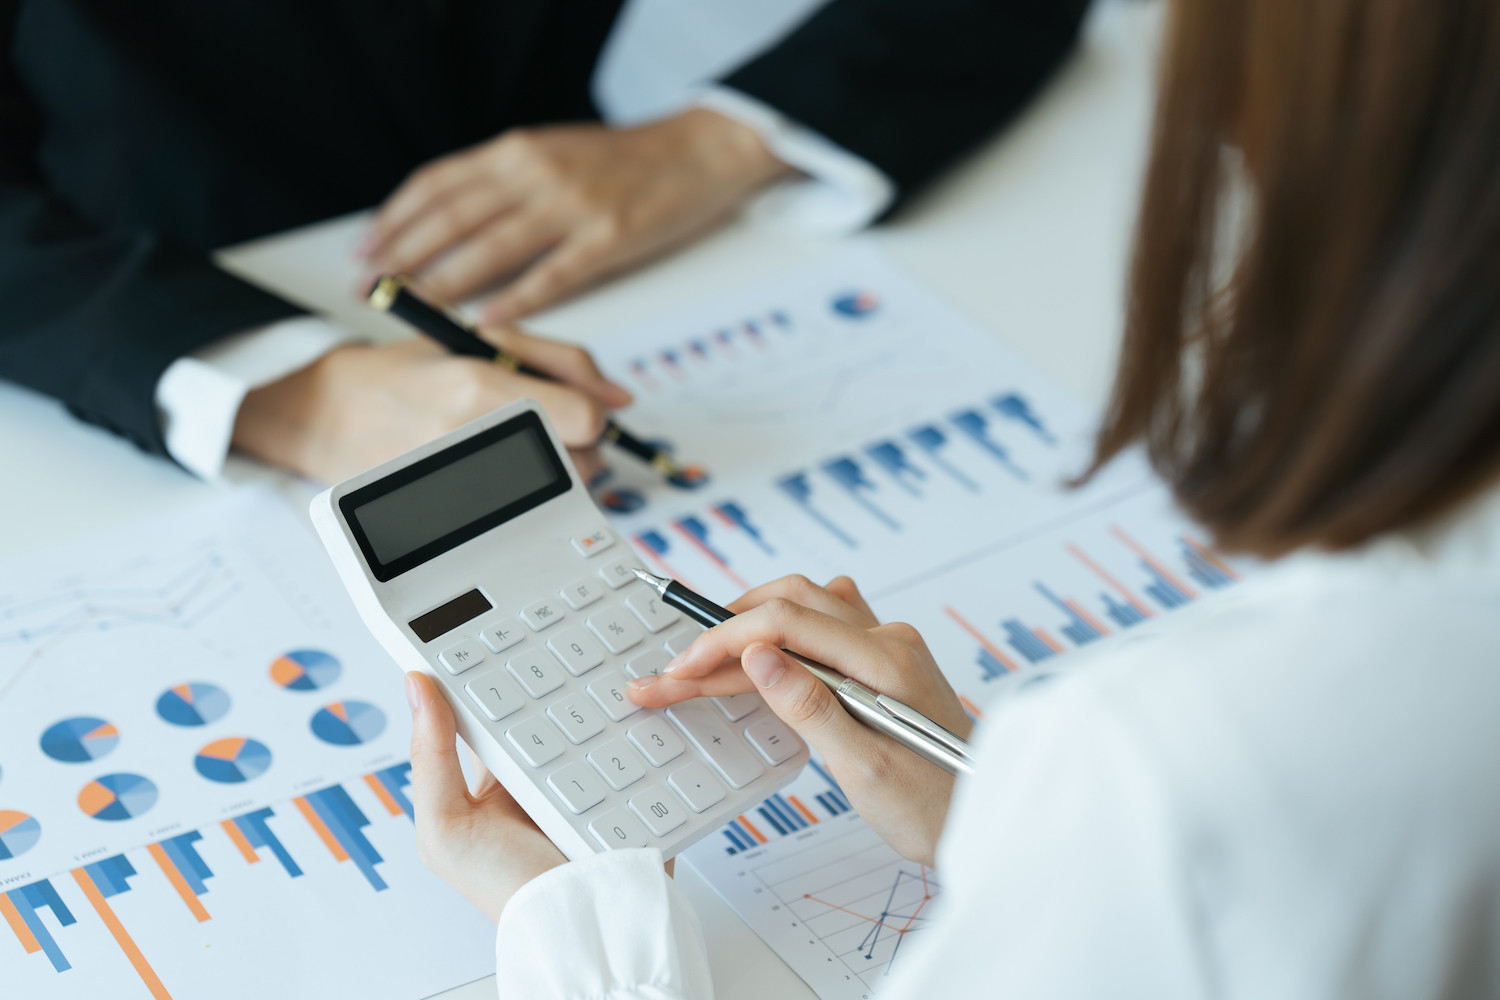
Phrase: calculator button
{"type": "Point", "coordinates": [581, 593]}
{"type": "Point", "coordinates": [656, 740]}
{"type": "Point", "coordinates": [707, 730]}
{"type": "Point", "coordinates": [697, 786]}
{"type": "Point", "coordinates": [616, 629]}
{"type": "Point", "coordinates": [653, 612]}
{"type": "Point", "coordinates": [736, 706]}
{"type": "Point", "coordinates": [462, 656]}
{"type": "Point", "coordinates": [537, 672]}
{"type": "Point", "coordinates": [653, 662]}
{"type": "Point", "coordinates": [659, 810]}
{"type": "Point", "coordinates": [682, 640]}
{"type": "Point", "coordinates": [617, 830]}
{"type": "Point", "coordinates": [537, 741]}
{"type": "Point", "coordinates": [579, 651]}
{"type": "Point", "coordinates": [578, 719]}
{"type": "Point", "coordinates": [609, 692]}
{"type": "Point", "coordinates": [502, 635]}
{"type": "Point", "coordinates": [496, 694]}
{"type": "Point", "coordinates": [541, 614]}
{"type": "Point", "coordinates": [618, 574]}
{"type": "Point", "coordinates": [618, 763]}
{"type": "Point", "coordinates": [579, 788]}
{"type": "Point", "coordinates": [595, 541]}
{"type": "Point", "coordinates": [774, 739]}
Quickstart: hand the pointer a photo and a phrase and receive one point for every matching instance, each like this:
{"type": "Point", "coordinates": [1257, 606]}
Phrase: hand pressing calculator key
{"type": "Point", "coordinates": [480, 559]}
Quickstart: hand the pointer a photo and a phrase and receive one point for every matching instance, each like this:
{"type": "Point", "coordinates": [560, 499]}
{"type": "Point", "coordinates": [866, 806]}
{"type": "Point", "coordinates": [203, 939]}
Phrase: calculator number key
{"type": "Point", "coordinates": [697, 786]}
{"type": "Point", "coordinates": [462, 656]}
{"type": "Point", "coordinates": [578, 651]}
{"type": "Point", "coordinates": [581, 593]}
{"type": "Point", "coordinates": [495, 694]}
{"type": "Point", "coordinates": [578, 719]}
{"type": "Point", "coordinates": [653, 612]}
{"type": "Point", "coordinates": [618, 763]}
{"type": "Point", "coordinates": [609, 692]}
{"type": "Point", "coordinates": [659, 810]}
{"type": "Point", "coordinates": [618, 632]}
{"type": "Point", "coordinates": [536, 741]}
{"type": "Point", "coordinates": [618, 829]}
{"type": "Point", "coordinates": [657, 741]}
{"type": "Point", "coordinates": [537, 672]}
{"type": "Point", "coordinates": [542, 614]}
{"type": "Point", "coordinates": [579, 788]}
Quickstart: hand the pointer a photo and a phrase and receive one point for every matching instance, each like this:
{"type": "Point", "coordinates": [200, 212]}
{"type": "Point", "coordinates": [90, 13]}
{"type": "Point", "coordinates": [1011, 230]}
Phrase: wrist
{"type": "Point", "coordinates": [729, 150]}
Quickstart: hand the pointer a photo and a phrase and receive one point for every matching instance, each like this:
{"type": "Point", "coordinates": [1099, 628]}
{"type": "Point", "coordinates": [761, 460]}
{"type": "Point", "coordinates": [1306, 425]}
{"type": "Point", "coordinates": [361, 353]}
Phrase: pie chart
{"type": "Point", "coordinates": [75, 741]}
{"type": "Point", "coordinates": [305, 670]}
{"type": "Point", "coordinates": [233, 760]}
{"type": "Point", "coordinates": [18, 833]}
{"type": "Point", "coordinates": [348, 723]}
{"type": "Point", "coordinates": [195, 704]}
{"type": "Point", "coordinates": [117, 796]}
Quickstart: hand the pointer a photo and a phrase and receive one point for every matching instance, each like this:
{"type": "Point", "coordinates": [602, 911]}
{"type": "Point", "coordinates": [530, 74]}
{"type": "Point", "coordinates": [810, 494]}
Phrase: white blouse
{"type": "Point", "coordinates": [1292, 792]}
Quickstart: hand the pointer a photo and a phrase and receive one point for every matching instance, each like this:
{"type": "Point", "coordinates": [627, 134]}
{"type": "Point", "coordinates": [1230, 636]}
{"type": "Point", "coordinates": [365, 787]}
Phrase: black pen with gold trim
{"type": "Point", "coordinates": [392, 294]}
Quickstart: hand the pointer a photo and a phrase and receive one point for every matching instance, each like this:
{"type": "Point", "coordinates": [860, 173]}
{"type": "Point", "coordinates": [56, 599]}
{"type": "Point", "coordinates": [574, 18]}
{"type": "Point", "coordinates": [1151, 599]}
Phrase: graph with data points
{"type": "Point", "coordinates": [170, 812]}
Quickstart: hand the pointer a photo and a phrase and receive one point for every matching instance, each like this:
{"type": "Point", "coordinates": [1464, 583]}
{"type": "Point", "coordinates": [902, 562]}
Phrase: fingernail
{"type": "Point", "coordinates": [679, 661]}
{"type": "Point", "coordinates": [413, 696]}
{"type": "Point", "coordinates": [764, 665]}
{"type": "Point", "coordinates": [643, 682]}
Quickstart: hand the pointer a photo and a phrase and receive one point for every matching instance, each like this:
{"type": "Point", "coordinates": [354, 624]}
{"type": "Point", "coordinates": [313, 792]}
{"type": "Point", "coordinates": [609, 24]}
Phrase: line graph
{"type": "Point", "coordinates": [890, 921]}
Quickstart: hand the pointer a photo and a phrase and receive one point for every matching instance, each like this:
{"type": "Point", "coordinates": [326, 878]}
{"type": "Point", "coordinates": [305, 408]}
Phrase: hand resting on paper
{"type": "Point", "coordinates": [902, 796]}
{"type": "Point", "coordinates": [557, 208]}
{"type": "Point", "coordinates": [359, 405]}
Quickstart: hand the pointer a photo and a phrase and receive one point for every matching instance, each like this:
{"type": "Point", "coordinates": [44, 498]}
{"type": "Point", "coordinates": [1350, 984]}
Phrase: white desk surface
{"type": "Point", "coordinates": [1030, 236]}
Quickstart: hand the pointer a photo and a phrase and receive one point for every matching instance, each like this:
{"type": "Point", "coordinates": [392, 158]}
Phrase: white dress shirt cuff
{"type": "Point", "coordinates": [841, 193]}
{"type": "Point", "coordinates": [610, 926]}
{"type": "Point", "coordinates": [198, 397]}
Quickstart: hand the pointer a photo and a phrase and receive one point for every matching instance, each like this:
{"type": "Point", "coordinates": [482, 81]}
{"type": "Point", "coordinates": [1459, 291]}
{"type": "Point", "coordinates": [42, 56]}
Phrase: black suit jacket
{"type": "Point", "coordinates": [137, 136]}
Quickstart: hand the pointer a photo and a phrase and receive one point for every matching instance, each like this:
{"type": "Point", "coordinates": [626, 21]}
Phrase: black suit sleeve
{"type": "Point", "coordinates": [94, 317]}
{"type": "Point", "coordinates": [910, 85]}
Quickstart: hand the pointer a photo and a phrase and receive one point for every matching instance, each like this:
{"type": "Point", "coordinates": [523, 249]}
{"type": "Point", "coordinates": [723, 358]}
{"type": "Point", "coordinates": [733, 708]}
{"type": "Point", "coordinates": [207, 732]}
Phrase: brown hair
{"type": "Point", "coordinates": [1345, 380]}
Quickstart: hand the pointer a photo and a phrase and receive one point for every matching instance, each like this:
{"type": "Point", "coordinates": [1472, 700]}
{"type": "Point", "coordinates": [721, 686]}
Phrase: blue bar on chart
{"type": "Point", "coordinates": [800, 490]}
{"type": "Point", "coordinates": [990, 666]}
{"type": "Point", "coordinates": [334, 815]}
{"type": "Point", "coordinates": [1081, 627]}
{"type": "Point", "coordinates": [395, 781]}
{"type": "Point", "coordinates": [732, 514]}
{"type": "Point", "coordinates": [846, 472]}
{"type": "Point", "coordinates": [189, 864]}
{"type": "Point", "coordinates": [933, 441]}
{"type": "Point", "coordinates": [19, 908]}
{"type": "Point", "coordinates": [889, 456]}
{"type": "Point", "coordinates": [697, 534]}
{"type": "Point", "coordinates": [252, 828]}
{"type": "Point", "coordinates": [1203, 566]}
{"type": "Point", "coordinates": [1166, 593]}
{"type": "Point", "coordinates": [972, 423]}
{"type": "Point", "coordinates": [1015, 407]}
{"type": "Point", "coordinates": [1027, 642]}
{"type": "Point", "coordinates": [1121, 613]}
{"type": "Point", "coordinates": [833, 799]}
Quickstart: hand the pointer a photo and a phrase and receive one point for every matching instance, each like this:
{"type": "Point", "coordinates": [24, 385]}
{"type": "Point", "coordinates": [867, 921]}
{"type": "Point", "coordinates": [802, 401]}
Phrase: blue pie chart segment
{"type": "Point", "coordinates": [230, 761]}
{"type": "Point", "coordinates": [348, 723]}
{"type": "Point", "coordinates": [117, 796]}
{"type": "Point", "coordinates": [305, 670]}
{"type": "Point", "coordinates": [76, 741]}
{"type": "Point", "coordinates": [18, 833]}
{"type": "Point", "coordinates": [195, 704]}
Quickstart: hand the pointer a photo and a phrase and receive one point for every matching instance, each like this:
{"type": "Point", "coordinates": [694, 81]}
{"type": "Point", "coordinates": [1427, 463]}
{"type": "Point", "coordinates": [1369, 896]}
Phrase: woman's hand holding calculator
{"type": "Point", "coordinates": [903, 797]}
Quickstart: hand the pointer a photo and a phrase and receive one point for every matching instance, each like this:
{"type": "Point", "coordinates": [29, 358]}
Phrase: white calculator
{"type": "Point", "coordinates": [480, 559]}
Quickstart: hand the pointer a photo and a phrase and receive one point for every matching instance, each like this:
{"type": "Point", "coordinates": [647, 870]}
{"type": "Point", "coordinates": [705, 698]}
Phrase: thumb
{"type": "Point", "coordinates": [801, 701]}
{"type": "Point", "coordinates": [437, 780]}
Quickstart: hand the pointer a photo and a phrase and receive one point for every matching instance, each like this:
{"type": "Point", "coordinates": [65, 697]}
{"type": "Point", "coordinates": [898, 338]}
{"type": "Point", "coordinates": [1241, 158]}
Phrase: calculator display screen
{"type": "Point", "coordinates": [446, 499]}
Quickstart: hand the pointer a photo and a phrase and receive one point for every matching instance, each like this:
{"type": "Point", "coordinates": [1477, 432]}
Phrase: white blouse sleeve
{"type": "Point", "coordinates": [610, 927]}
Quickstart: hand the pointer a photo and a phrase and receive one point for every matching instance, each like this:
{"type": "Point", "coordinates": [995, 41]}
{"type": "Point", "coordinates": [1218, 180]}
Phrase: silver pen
{"type": "Point", "coordinates": [881, 712]}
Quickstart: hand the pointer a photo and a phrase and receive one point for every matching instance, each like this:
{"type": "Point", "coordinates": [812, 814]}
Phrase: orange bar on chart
{"type": "Point", "coordinates": [753, 831]}
{"type": "Point", "coordinates": [391, 805]}
{"type": "Point", "coordinates": [178, 882]}
{"type": "Point", "coordinates": [23, 933]}
{"type": "Point", "coordinates": [320, 829]}
{"type": "Point", "coordinates": [239, 841]}
{"type": "Point", "coordinates": [806, 813]}
{"type": "Point", "coordinates": [122, 938]}
{"type": "Point", "coordinates": [979, 637]}
{"type": "Point", "coordinates": [1042, 635]}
